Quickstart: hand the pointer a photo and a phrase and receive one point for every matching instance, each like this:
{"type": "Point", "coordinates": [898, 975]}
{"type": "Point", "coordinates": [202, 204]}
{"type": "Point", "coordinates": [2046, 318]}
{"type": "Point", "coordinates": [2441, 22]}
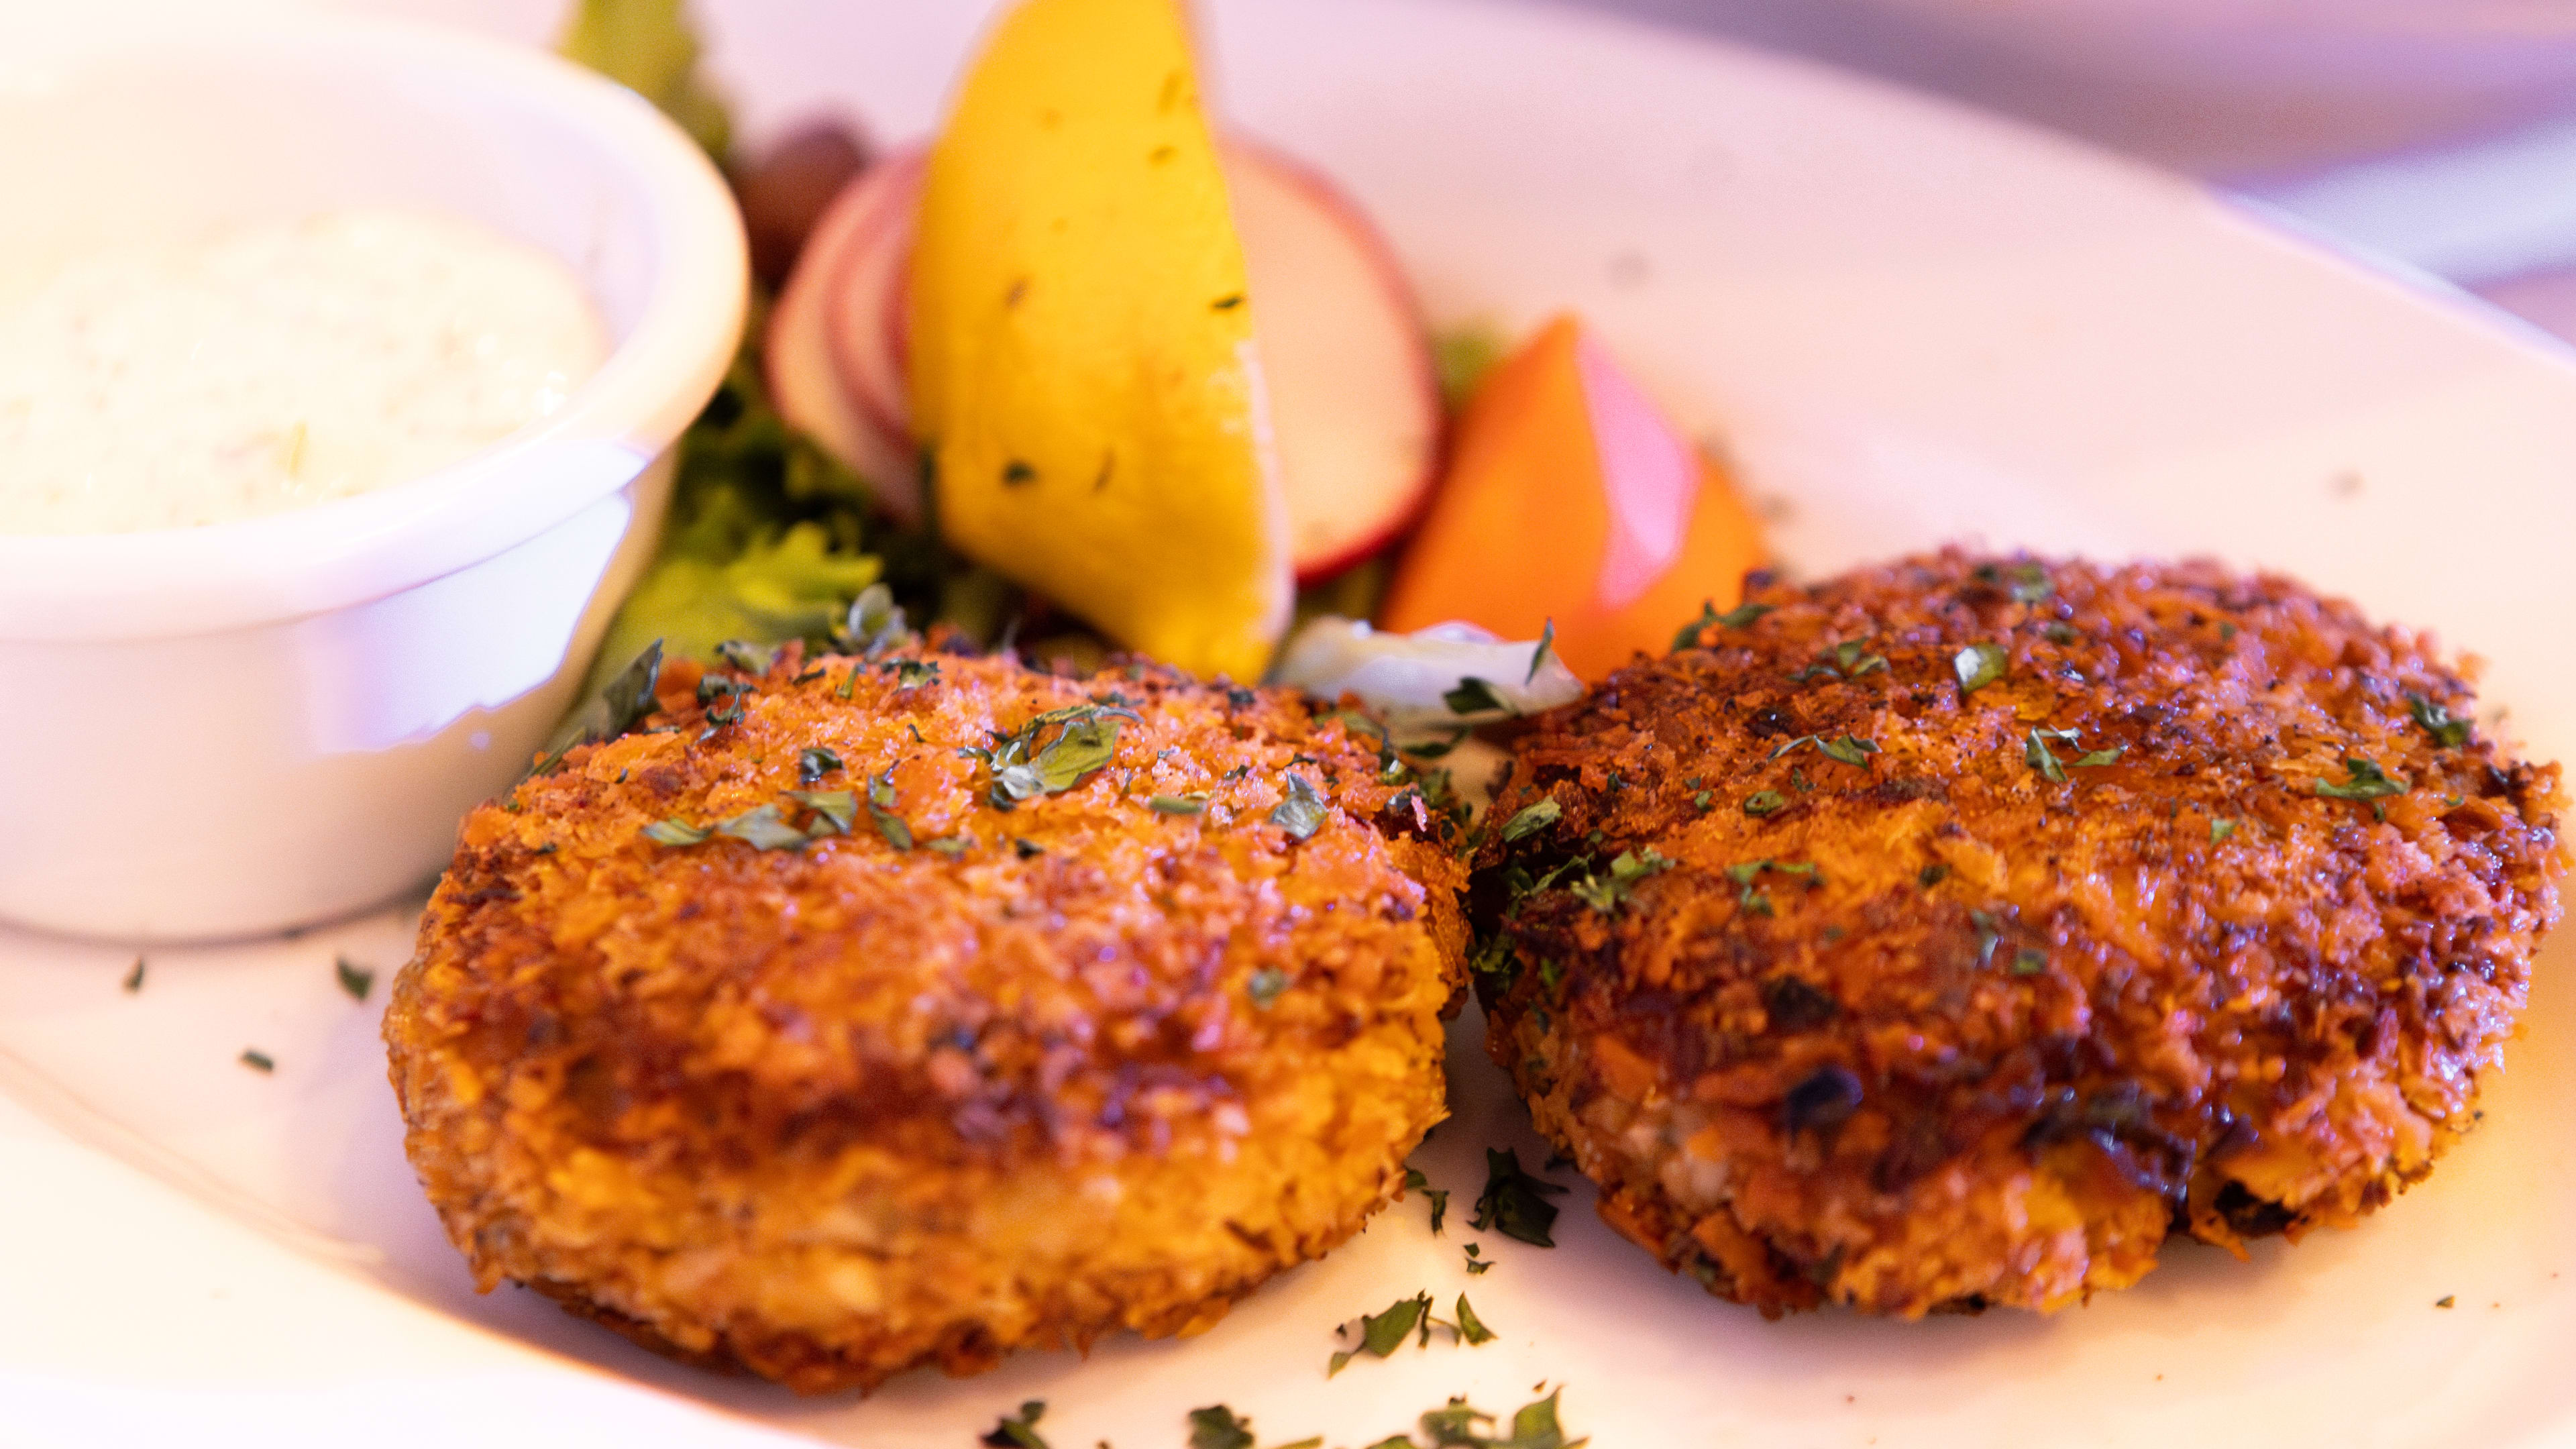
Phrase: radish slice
{"type": "Point", "coordinates": [806, 379]}
{"type": "Point", "coordinates": [1354, 398]}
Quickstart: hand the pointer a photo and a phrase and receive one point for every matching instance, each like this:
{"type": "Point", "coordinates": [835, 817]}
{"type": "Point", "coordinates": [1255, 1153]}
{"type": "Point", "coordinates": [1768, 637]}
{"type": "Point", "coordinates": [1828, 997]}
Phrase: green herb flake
{"type": "Point", "coordinates": [620, 705]}
{"type": "Point", "coordinates": [2035, 751]}
{"type": "Point", "coordinates": [746, 657]}
{"type": "Point", "coordinates": [1178, 804]}
{"type": "Point", "coordinates": [1850, 749]}
{"type": "Point", "coordinates": [354, 979]}
{"type": "Point", "coordinates": [1538, 656]}
{"type": "Point", "coordinates": [1217, 1427]}
{"type": "Point", "coordinates": [1605, 893]}
{"type": "Point", "coordinates": [1470, 1327]}
{"type": "Point", "coordinates": [674, 831]}
{"type": "Point", "coordinates": [1020, 1432]}
{"type": "Point", "coordinates": [1979, 665]}
{"type": "Point", "coordinates": [1475, 696]}
{"type": "Point", "coordinates": [1265, 985]}
{"type": "Point", "coordinates": [1932, 875]}
{"type": "Point", "coordinates": [2029, 961]}
{"type": "Point", "coordinates": [257, 1060]}
{"type": "Point", "coordinates": [2095, 759]}
{"type": "Point", "coordinates": [2448, 730]}
{"type": "Point", "coordinates": [1514, 1203]}
{"type": "Point", "coordinates": [1778, 750]}
{"type": "Point", "coordinates": [881, 802]}
{"type": "Point", "coordinates": [2025, 583]}
{"type": "Point", "coordinates": [134, 978]}
{"type": "Point", "coordinates": [1765, 802]}
{"type": "Point", "coordinates": [814, 762]}
{"type": "Point", "coordinates": [1531, 819]}
{"type": "Point", "coordinates": [1383, 1333]}
{"type": "Point", "coordinates": [1735, 618]}
{"type": "Point", "coordinates": [835, 811]}
{"type": "Point", "coordinates": [1476, 1261]}
{"type": "Point", "coordinates": [951, 846]}
{"type": "Point", "coordinates": [911, 673]}
{"type": "Point", "coordinates": [1414, 1181]}
{"type": "Point", "coordinates": [763, 829]}
{"type": "Point", "coordinates": [2363, 780]}
{"type": "Point", "coordinates": [2221, 829]}
{"type": "Point", "coordinates": [1301, 811]}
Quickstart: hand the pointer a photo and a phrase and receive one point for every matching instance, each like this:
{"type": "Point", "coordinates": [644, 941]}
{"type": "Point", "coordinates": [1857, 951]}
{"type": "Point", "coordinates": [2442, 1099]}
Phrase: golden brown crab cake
{"type": "Point", "coordinates": [1949, 933]}
{"type": "Point", "coordinates": [997, 1010]}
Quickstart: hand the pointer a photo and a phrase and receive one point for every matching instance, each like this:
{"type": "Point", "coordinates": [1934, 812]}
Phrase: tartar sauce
{"type": "Point", "coordinates": [274, 366]}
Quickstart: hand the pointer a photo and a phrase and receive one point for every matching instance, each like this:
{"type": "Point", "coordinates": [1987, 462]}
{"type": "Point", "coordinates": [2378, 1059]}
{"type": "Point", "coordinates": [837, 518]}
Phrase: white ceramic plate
{"type": "Point", "coordinates": [1909, 325]}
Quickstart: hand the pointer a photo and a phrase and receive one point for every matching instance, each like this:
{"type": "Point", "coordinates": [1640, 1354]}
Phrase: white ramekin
{"type": "Point", "coordinates": [246, 727]}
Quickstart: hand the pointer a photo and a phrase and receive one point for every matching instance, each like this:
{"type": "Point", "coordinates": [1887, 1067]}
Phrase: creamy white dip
{"type": "Point", "coordinates": [274, 366]}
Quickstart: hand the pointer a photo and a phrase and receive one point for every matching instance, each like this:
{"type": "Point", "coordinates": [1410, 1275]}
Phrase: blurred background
{"type": "Point", "coordinates": [2436, 135]}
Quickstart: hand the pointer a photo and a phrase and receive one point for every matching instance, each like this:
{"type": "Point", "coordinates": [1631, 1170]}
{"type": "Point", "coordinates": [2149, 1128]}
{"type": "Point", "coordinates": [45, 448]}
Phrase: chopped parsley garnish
{"type": "Point", "coordinates": [2029, 961]}
{"type": "Point", "coordinates": [2035, 751]}
{"type": "Point", "coordinates": [1414, 1181]}
{"type": "Point", "coordinates": [1470, 1327]}
{"type": "Point", "coordinates": [1604, 893]}
{"type": "Point", "coordinates": [835, 811]}
{"type": "Point", "coordinates": [1932, 875]}
{"type": "Point", "coordinates": [1177, 804]}
{"type": "Point", "coordinates": [763, 829]}
{"type": "Point", "coordinates": [814, 762]}
{"type": "Point", "coordinates": [354, 979]}
{"type": "Point", "coordinates": [951, 846]}
{"type": "Point", "coordinates": [881, 800]}
{"type": "Point", "coordinates": [1779, 750]}
{"type": "Point", "coordinates": [1301, 810]}
{"type": "Point", "coordinates": [1216, 1427]}
{"type": "Point", "coordinates": [1748, 874]}
{"type": "Point", "coordinates": [1383, 1333]}
{"type": "Point", "coordinates": [2363, 780]}
{"type": "Point", "coordinates": [747, 657]}
{"type": "Point", "coordinates": [911, 673]}
{"type": "Point", "coordinates": [1477, 1262]}
{"type": "Point", "coordinates": [257, 1060]}
{"type": "Point", "coordinates": [1475, 696]}
{"type": "Point", "coordinates": [134, 978]}
{"type": "Point", "coordinates": [2063, 633]}
{"type": "Point", "coordinates": [2448, 730]}
{"type": "Point", "coordinates": [674, 831]}
{"type": "Point", "coordinates": [621, 704]}
{"type": "Point", "coordinates": [1531, 819]}
{"type": "Point", "coordinates": [1979, 665]}
{"type": "Point", "coordinates": [2221, 829]}
{"type": "Point", "coordinates": [1265, 985]}
{"type": "Point", "coordinates": [1028, 849]}
{"type": "Point", "coordinates": [1709, 617]}
{"type": "Point", "coordinates": [1538, 656]}
{"type": "Point", "coordinates": [1850, 749]}
{"type": "Point", "coordinates": [1460, 1425]}
{"type": "Point", "coordinates": [1020, 1432]}
{"type": "Point", "coordinates": [2026, 583]}
{"type": "Point", "coordinates": [1514, 1203]}
{"type": "Point", "coordinates": [1085, 739]}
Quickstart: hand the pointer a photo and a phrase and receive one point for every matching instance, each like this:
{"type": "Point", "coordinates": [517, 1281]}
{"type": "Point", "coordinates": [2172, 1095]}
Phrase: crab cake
{"type": "Point", "coordinates": [866, 1014]}
{"type": "Point", "coordinates": [1952, 933]}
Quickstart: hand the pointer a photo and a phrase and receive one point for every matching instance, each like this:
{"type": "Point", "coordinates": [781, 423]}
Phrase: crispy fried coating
{"type": "Point", "coordinates": [2203, 911]}
{"type": "Point", "coordinates": [1105, 1059]}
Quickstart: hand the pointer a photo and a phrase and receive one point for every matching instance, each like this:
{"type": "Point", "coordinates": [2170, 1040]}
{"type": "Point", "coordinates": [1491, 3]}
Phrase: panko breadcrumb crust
{"type": "Point", "coordinates": [830, 1112]}
{"type": "Point", "coordinates": [1892, 1018]}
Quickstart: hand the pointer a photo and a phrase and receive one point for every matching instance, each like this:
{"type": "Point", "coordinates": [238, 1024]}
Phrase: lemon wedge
{"type": "Point", "coordinates": [1082, 367]}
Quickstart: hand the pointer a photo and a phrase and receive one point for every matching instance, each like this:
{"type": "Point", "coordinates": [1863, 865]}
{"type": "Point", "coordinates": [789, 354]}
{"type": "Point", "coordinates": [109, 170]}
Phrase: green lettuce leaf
{"type": "Point", "coordinates": [648, 47]}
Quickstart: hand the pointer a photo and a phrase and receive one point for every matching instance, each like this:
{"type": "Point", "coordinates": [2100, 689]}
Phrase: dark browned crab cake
{"type": "Point", "coordinates": [1952, 932]}
{"type": "Point", "coordinates": [886, 1074]}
